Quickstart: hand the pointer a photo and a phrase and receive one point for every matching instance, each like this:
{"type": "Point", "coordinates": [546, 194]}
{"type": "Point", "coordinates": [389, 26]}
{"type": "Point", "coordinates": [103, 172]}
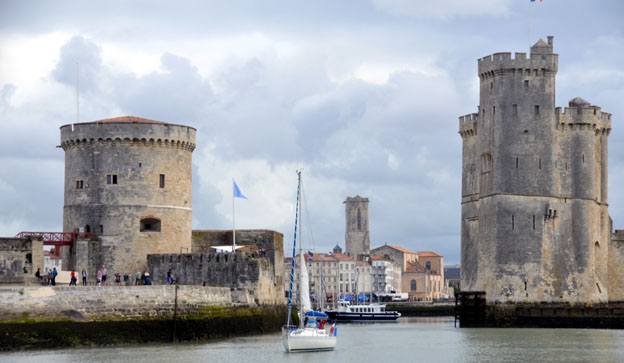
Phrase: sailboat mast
{"type": "Point", "coordinates": [292, 266]}
{"type": "Point", "coordinates": [301, 312]}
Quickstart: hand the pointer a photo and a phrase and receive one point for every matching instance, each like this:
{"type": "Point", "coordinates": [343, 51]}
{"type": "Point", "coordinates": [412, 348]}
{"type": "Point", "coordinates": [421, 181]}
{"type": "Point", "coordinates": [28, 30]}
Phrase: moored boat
{"type": "Point", "coordinates": [362, 312]}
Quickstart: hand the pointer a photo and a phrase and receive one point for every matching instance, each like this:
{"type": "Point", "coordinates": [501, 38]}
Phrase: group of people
{"type": "Point", "coordinates": [49, 278]}
{"type": "Point", "coordinates": [102, 277]}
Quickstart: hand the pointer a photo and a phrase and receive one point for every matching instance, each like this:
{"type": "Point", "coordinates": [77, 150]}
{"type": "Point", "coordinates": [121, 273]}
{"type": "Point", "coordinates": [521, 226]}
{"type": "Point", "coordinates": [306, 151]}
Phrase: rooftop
{"type": "Point", "coordinates": [428, 254]}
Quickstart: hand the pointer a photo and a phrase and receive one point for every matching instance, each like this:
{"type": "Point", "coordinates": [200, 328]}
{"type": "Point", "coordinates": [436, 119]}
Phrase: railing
{"type": "Point", "coordinates": [56, 238]}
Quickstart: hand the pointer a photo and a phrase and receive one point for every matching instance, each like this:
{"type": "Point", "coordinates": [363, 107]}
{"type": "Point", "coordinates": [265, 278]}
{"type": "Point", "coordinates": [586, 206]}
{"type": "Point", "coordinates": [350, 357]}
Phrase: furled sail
{"type": "Point", "coordinates": [304, 291]}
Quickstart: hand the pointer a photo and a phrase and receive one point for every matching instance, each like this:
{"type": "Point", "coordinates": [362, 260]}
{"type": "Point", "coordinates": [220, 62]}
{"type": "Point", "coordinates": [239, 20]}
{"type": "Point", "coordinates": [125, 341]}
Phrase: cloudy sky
{"type": "Point", "coordinates": [363, 95]}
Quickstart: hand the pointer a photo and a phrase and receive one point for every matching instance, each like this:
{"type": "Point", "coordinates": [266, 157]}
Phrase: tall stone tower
{"type": "Point", "coordinates": [535, 224]}
{"type": "Point", "coordinates": [357, 237]}
{"type": "Point", "coordinates": [128, 183]}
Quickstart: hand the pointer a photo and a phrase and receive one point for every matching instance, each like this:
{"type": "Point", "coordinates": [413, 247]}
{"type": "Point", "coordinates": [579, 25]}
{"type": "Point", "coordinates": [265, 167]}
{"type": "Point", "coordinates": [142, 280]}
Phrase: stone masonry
{"type": "Point", "coordinates": [128, 183]}
{"type": "Point", "coordinates": [20, 258]}
{"type": "Point", "coordinates": [357, 236]}
{"type": "Point", "coordinates": [535, 224]}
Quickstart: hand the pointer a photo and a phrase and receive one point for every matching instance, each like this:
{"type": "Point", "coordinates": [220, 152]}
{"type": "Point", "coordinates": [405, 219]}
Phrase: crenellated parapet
{"type": "Point", "coordinates": [151, 142]}
{"type": "Point", "coordinates": [583, 116]}
{"type": "Point", "coordinates": [468, 125]}
{"type": "Point", "coordinates": [541, 62]}
{"type": "Point", "coordinates": [127, 131]}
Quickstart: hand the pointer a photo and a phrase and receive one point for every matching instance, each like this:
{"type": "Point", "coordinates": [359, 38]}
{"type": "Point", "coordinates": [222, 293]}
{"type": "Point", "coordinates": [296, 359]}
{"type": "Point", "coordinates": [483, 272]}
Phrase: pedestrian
{"type": "Point", "coordinates": [54, 273]}
{"type": "Point", "coordinates": [126, 279]}
{"type": "Point", "coordinates": [99, 277]}
{"type": "Point", "coordinates": [38, 273]}
{"type": "Point", "coordinates": [104, 275]}
{"type": "Point", "coordinates": [169, 278]}
{"type": "Point", "coordinates": [84, 277]}
{"type": "Point", "coordinates": [137, 278]}
{"type": "Point", "coordinates": [117, 279]}
{"type": "Point", "coordinates": [146, 275]}
{"type": "Point", "coordinates": [49, 280]}
{"type": "Point", "coordinates": [72, 279]}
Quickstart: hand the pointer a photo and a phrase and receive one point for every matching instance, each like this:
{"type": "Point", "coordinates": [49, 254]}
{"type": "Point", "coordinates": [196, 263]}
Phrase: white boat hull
{"type": "Point", "coordinates": [308, 340]}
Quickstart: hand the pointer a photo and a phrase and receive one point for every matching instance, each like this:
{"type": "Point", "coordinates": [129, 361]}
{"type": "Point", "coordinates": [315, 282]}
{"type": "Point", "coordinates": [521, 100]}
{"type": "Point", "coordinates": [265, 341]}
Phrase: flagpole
{"type": "Point", "coordinates": [233, 220]}
{"type": "Point", "coordinates": [530, 25]}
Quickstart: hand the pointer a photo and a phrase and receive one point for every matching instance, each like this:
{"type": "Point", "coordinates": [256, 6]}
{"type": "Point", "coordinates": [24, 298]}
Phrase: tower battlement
{"type": "Point", "coordinates": [541, 61]}
{"type": "Point", "coordinates": [468, 125]}
{"type": "Point", "coordinates": [581, 114]}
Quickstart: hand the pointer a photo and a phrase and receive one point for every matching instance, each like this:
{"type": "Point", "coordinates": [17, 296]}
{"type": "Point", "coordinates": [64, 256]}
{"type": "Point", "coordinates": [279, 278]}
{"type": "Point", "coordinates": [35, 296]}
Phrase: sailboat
{"type": "Point", "coordinates": [311, 333]}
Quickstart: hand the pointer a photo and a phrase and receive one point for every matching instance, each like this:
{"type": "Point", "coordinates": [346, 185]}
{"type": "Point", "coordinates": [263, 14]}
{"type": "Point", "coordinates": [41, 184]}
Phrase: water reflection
{"type": "Point", "coordinates": [407, 340]}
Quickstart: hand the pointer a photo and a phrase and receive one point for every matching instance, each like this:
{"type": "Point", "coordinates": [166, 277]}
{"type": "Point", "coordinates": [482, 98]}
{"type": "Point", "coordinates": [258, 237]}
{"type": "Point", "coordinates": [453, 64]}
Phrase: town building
{"type": "Point", "coordinates": [51, 261]}
{"type": "Point", "coordinates": [386, 277]}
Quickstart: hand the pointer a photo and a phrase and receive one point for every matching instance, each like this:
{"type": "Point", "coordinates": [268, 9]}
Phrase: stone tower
{"type": "Point", "coordinates": [357, 237]}
{"type": "Point", "coordinates": [128, 183]}
{"type": "Point", "coordinates": [535, 223]}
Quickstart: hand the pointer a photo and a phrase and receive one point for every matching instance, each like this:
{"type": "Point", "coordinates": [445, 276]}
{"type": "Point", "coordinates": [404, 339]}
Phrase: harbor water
{"type": "Point", "coordinates": [407, 340]}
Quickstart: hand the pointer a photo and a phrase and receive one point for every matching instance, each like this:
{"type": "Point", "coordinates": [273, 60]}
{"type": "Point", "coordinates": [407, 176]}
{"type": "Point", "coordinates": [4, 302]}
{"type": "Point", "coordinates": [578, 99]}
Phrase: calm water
{"type": "Point", "coordinates": [408, 340]}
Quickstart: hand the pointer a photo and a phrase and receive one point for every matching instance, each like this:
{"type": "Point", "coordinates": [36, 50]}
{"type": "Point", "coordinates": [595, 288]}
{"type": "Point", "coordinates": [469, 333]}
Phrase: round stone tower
{"type": "Point", "coordinates": [127, 183]}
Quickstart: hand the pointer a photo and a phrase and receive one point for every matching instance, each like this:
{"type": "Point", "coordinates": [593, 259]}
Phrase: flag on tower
{"type": "Point", "coordinates": [238, 193]}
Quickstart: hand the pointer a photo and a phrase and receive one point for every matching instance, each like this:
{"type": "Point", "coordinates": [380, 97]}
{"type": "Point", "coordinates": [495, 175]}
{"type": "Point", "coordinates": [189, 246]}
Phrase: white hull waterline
{"type": "Point", "coordinates": [308, 340]}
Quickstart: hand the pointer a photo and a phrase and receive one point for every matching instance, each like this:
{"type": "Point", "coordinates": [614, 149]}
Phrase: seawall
{"type": "Point", "coordinates": [46, 317]}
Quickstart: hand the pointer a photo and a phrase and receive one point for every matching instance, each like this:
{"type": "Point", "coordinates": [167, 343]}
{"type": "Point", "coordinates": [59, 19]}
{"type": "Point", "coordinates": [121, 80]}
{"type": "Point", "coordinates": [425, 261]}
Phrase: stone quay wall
{"type": "Point", "coordinates": [20, 258]}
{"type": "Point", "coordinates": [238, 270]}
{"type": "Point", "coordinates": [29, 303]}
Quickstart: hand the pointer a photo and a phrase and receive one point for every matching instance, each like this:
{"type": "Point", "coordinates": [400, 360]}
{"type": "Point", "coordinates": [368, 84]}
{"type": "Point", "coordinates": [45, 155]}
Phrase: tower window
{"type": "Point", "coordinates": [150, 225]}
{"type": "Point", "coordinates": [515, 110]}
{"type": "Point", "coordinates": [534, 222]}
{"type": "Point", "coordinates": [111, 179]}
{"type": "Point", "coordinates": [539, 163]}
{"type": "Point", "coordinates": [162, 180]}
{"type": "Point", "coordinates": [359, 220]}
{"type": "Point", "coordinates": [583, 158]}
{"type": "Point", "coordinates": [516, 163]}
{"type": "Point", "coordinates": [513, 222]}
{"type": "Point", "coordinates": [537, 110]}
{"type": "Point", "coordinates": [101, 228]}
{"type": "Point", "coordinates": [493, 110]}
{"type": "Point", "coordinates": [79, 184]}
{"type": "Point", "coordinates": [526, 84]}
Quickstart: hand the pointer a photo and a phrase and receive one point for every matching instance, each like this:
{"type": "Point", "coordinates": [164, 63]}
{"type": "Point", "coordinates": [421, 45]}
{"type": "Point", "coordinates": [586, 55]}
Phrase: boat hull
{"type": "Point", "coordinates": [369, 317]}
{"type": "Point", "coordinates": [308, 340]}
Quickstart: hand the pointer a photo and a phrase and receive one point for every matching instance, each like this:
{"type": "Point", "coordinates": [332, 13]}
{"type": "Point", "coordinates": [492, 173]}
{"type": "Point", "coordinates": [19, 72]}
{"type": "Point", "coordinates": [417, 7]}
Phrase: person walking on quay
{"type": "Point", "coordinates": [49, 277]}
{"type": "Point", "coordinates": [126, 279]}
{"type": "Point", "coordinates": [99, 277]}
{"type": "Point", "coordinates": [38, 273]}
{"type": "Point", "coordinates": [54, 273]}
{"type": "Point", "coordinates": [117, 279]}
{"type": "Point", "coordinates": [104, 275]}
{"type": "Point", "coordinates": [84, 277]}
{"type": "Point", "coordinates": [73, 279]}
{"type": "Point", "coordinates": [137, 280]}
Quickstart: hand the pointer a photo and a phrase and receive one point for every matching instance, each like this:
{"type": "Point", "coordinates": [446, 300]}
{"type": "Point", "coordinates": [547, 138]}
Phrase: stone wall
{"type": "Point", "coordinates": [616, 267]}
{"type": "Point", "coordinates": [238, 270]}
{"type": "Point", "coordinates": [20, 258]}
{"type": "Point", "coordinates": [114, 302]}
{"type": "Point", "coordinates": [271, 244]}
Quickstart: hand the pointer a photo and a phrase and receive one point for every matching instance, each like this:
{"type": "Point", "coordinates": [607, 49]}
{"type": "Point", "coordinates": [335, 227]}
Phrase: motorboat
{"type": "Point", "coordinates": [362, 312]}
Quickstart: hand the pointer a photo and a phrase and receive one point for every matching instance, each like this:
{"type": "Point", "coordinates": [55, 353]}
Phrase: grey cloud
{"type": "Point", "coordinates": [79, 57]}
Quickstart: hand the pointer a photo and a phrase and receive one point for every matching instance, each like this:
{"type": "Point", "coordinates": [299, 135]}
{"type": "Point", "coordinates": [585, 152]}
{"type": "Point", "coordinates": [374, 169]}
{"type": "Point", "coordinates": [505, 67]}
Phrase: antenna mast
{"type": "Point", "coordinates": [77, 94]}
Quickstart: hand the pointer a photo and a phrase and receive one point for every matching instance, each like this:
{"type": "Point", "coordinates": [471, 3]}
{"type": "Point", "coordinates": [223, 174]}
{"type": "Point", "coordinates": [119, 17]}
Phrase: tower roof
{"type": "Point", "coordinates": [129, 119]}
{"type": "Point", "coordinates": [541, 47]}
{"type": "Point", "coordinates": [578, 102]}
